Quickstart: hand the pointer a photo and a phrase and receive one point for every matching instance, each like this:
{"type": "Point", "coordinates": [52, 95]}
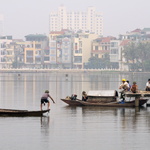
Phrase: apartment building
{"type": "Point", "coordinates": [114, 50]}
{"type": "Point", "coordinates": [136, 35]}
{"type": "Point", "coordinates": [89, 20]}
{"type": "Point", "coordinates": [60, 45]}
{"type": "Point", "coordinates": [82, 49]}
{"type": "Point", "coordinates": [35, 50]}
{"type": "Point", "coordinates": [19, 46]}
{"type": "Point", "coordinates": [101, 46]}
{"type": "Point", "coordinates": [6, 52]}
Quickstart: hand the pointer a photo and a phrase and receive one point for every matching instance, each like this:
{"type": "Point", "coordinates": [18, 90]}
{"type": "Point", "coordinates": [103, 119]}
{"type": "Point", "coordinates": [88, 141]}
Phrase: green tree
{"type": "Point", "coordinates": [99, 63]}
{"type": "Point", "coordinates": [137, 56]}
{"type": "Point", "coordinates": [94, 63]}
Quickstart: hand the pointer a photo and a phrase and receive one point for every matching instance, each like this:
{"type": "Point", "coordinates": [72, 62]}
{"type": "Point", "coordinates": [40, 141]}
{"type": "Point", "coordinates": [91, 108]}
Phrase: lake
{"type": "Point", "coordinates": [71, 128]}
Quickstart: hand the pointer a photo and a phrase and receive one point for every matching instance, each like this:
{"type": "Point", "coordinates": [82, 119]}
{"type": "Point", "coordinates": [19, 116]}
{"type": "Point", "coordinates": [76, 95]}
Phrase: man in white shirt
{"type": "Point", "coordinates": [148, 85]}
{"type": "Point", "coordinates": [125, 87]}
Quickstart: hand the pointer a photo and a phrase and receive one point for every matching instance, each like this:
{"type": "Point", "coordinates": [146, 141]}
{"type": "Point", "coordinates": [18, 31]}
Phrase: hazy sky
{"type": "Point", "coordinates": [24, 17]}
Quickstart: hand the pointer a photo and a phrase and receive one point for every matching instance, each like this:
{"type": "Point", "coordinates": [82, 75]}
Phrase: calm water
{"type": "Point", "coordinates": [70, 128]}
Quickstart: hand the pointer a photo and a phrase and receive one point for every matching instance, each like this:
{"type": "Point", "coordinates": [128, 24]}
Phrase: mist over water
{"type": "Point", "coordinates": [76, 128]}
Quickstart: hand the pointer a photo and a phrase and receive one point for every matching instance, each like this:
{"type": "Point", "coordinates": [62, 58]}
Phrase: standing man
{"type": "Point", "coordinates": [147, 85]}
{"type": "Point", "coordinates": [44, 99]}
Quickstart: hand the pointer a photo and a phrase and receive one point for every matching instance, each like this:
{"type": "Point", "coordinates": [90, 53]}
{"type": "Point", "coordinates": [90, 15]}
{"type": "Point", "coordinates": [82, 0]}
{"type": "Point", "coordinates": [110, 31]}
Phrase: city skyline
{"type": "Point", "coordinates": [30, 17]}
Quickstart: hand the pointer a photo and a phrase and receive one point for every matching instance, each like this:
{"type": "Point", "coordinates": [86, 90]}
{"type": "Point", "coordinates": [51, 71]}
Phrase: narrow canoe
{"type": "Point", "coordinates": [21, 113]}
{"type": "Point", "coordinates": [115, 104]}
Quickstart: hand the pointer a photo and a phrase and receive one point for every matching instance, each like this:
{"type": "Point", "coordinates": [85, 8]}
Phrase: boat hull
{"type": "Point", "coordinates": [115, 104]}
{"type": "Point", "coordinates": [111, 104]}
{"type": "Point", "coordinates": [72, 102]}
{"type": "Point", "coordinates": [21, 113]}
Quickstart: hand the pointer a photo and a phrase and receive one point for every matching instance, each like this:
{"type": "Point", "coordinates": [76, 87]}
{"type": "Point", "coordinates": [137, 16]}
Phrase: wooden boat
{"type": "Point", "coordinates": [114, 104]}
{"type": "Point", "coordinates": [72, 102]}
{"type": "Point", "coordinates": [111, 104]}
{"type": "Point", "coordinates": [21, 113]}
{"type": "Point", "coordinates": [101, 96]}
{"type": "Point", "coordinates": [105, 98]}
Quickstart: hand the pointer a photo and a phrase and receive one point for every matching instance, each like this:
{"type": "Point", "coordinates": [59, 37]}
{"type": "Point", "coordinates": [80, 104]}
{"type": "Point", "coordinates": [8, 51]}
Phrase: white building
{"type": "Point", "coordinates": [114, 50]}
{"type": "Point", "coordinates": [90, 20]}
{"type": "Point", "coordinates": [122, 61]}
{"type": "Point", "coordinates": [117, 54]}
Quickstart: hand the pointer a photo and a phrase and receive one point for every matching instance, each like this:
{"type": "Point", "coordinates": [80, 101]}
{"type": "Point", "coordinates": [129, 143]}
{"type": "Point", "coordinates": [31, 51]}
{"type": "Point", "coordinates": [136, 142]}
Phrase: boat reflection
{"type": "Point", "coordinates": [125, 115]}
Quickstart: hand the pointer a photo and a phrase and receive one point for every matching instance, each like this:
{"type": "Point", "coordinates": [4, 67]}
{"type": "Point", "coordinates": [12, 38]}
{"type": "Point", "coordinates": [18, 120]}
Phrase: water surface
{"type": "Point", "coordinates": [76, 128]}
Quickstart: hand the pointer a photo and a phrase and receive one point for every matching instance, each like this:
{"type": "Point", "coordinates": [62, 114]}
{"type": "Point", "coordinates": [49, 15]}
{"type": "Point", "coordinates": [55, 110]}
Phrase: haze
{"type": "Point", "coordinates": [22, 17]}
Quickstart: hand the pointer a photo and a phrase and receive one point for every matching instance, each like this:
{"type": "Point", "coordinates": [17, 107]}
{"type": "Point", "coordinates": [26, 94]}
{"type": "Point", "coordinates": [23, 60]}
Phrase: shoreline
{"type": "Point", "coordinates": [63, 71]}
{"type": "Point", "coordinates": [54, 70]}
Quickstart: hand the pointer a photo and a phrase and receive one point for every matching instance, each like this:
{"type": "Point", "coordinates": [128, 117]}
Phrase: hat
{"type": "Point", "coordinates": [123, 79]}
{"type": "Point", "coordinates": [47, 91]}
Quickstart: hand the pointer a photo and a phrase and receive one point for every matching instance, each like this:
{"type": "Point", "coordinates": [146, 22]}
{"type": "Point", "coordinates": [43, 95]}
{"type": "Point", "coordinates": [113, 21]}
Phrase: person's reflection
{"type": "Point", "coordinates": [45, 122]}
{"type": "Point", "coordinates": [45, 130]}
{"type": "Point", "coordinates": [129, 118]}
{"type": "Point", "coordinates": [123, 112]}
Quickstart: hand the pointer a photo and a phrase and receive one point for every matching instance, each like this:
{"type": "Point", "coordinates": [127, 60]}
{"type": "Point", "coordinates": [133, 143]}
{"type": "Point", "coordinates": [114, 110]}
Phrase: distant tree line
{"type": "Point", "coordinates": [101, 63]}
{"type": "Point", "coordinates": [137, 56]}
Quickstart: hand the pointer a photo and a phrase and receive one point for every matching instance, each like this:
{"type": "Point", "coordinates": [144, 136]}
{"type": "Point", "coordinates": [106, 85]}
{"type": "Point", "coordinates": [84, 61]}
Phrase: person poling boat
{"type": "Point", "coordinates": [44, 99]}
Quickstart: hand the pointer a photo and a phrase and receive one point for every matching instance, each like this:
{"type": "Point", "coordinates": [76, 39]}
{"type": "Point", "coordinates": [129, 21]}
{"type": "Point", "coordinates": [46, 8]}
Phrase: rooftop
{"type": "Point", "coordinates": [124, 42]}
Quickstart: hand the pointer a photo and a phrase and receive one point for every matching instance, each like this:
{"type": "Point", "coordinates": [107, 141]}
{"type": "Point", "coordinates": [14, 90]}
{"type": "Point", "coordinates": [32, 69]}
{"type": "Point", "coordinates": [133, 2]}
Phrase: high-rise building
{"type": "Point", "coordinates": [90, 20]}
{"type": "Point", "coordinates": [1, 25]}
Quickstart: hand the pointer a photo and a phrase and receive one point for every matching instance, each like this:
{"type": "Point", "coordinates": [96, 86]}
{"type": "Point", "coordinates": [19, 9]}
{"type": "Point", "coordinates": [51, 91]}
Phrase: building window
{"type": "Point", "coordinates": [114, 51]}
{"type": "Point", "coordinates": [66, 57]}
{"type": "Point", "coordinates": [46, 59]}
{"type": "Point", "coordinates": [37, 46]}
{"type": "Point", "coordinates": [77, 59]}
{"type": "Point", "coordinates": [114, 44]}
{"type": "Point", "coordinates": [96, 47]}
{"type": "Point", "coordinates": [29, 53]}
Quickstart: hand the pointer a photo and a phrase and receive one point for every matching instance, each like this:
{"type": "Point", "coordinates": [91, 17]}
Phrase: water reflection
{"type": "Point", "coordinates": [76, 128]}
{"type": "Point", "coordinates": [45, 120]}
{"type": "Point", "coordinates": [126, 117]}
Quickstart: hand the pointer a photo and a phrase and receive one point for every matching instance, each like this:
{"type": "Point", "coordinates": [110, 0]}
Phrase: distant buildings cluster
{"type": "Point", "coordinates": [74, 37]}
